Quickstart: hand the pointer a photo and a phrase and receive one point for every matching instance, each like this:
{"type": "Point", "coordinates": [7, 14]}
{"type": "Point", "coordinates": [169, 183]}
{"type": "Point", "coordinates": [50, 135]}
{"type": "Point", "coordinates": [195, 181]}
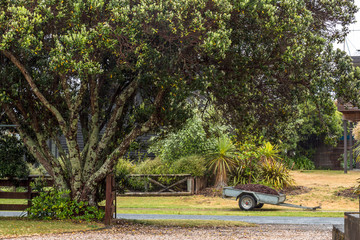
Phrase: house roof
{"type": "Point", "coordinates": [356, 61]}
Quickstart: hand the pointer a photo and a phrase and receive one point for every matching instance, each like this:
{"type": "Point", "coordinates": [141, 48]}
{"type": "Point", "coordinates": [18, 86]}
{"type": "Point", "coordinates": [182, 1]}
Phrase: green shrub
{"type": "Point", "coordinates": [152, 166]}
{"type": "Point", "coordinates": [195, 138]}
{"type": "Point", "coordinates": [246, 172]}
{"type": "Point", "coordinates": [58, 205]}
{"type": "Point", "coordinates": [303, 163]}
{"type": "Point", "coordinates": [275, 173]}
{"type": "Point", "coordinates": [122, 169]}
{"type": "Point", "coordinates": [194, 165]}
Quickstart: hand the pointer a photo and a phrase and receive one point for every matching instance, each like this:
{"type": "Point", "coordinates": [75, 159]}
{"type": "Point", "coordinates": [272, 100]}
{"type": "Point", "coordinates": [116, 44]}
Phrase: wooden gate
{"type": "Point", "coordinates": [160, 184]}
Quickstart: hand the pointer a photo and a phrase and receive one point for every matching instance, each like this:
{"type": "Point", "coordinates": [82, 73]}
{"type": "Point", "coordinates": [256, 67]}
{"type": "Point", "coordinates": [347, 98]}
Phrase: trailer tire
{"type": "Point", "coordinates": [247, 202]}
{"type": "Point", "coordinates": [260, 205]}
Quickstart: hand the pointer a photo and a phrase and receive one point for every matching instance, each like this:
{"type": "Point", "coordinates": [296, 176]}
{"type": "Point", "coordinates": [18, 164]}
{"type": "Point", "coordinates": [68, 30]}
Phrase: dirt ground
{"type": "Point", "coordinates": [325, 188]}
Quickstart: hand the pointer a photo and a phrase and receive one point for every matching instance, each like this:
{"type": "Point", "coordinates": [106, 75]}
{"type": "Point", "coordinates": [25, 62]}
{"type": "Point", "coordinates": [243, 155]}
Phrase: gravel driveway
{"type": "Point", "coordinates": [260, 232]}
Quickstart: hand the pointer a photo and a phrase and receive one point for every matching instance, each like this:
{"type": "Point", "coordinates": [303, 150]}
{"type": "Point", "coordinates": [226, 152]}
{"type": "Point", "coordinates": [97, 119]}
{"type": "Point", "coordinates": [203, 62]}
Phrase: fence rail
{"type": "Point", "coordinates": [110, 208]}
{"type": "Point", "coordinates": [28, 195]}
{"type": "Point", "coordinates": [159, 184]}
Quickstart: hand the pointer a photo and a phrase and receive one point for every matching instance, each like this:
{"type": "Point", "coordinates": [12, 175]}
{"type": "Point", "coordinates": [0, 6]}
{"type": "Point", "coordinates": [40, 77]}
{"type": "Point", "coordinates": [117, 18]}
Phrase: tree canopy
{"type": "Point", "coordinates": [120, 69]}
{"type": "Point", "coordinates": [281, 55]}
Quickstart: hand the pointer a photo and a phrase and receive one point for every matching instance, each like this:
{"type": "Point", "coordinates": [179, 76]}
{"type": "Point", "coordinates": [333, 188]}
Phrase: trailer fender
{"type": "Point", "coordinates": [248, 193]}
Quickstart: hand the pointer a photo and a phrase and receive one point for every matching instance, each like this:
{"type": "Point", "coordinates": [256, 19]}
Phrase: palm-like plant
{"type": "Point", "coordinates": [272, 170]}
{"type": "Point", "coordinates": [269, 152]}
{"type": "Point", "coordinates": [221, 161]}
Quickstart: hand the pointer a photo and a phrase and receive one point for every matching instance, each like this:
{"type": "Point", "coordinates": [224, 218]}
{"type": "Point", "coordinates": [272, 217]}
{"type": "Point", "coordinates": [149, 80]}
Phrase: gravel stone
{"type": "Point", "coordinates": [259, 232]}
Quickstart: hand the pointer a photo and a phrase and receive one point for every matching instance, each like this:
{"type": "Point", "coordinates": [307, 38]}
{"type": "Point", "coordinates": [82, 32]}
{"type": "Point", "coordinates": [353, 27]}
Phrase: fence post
{"type": "Point", "coordinates": [110, 196]}
{"type": "Point", "coordinates": [29, 191]}
{"type": "Point", "coordinates": [190, 184]}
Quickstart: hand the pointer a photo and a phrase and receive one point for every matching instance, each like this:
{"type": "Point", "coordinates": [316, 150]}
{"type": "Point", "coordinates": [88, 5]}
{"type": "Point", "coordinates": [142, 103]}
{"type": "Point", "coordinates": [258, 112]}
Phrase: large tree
{"type": "Point", "coordinates": [127, 67]}
{"type": "Point", "coordinates": [116, 68]}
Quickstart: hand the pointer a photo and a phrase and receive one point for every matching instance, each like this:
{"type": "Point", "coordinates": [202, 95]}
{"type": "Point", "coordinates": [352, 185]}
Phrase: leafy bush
{"type": "Point", "coordinates": [194, 165]}
{"type": "Point", "coordinates": [275, 173]}
{"type": "Point", "coordinates": [261, 165]}
{"type": "Point", "coordinates": [195, 138]}
{"type": "Point", "coordinates": [152, 166]}
{"type": "Point", "coordinates": [246, 172]}
{"type": "Point", "coordinates": [303, 163]}
{"type": "Point", "coordinates": [122, 169]}
{"type": "Point", "coordinates": [58, 205]}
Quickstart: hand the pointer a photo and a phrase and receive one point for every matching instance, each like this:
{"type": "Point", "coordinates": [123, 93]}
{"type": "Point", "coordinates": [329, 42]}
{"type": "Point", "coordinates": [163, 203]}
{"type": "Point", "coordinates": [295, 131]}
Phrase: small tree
{"type": "Point", "coordinates": [12, 163]}
{"type": "Point", "coordinates": [222, 161]}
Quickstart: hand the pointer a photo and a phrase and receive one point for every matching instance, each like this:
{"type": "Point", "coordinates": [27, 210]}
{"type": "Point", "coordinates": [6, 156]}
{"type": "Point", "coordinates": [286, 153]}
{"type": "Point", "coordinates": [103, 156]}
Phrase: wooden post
{"type": "Point", "coordinates": [190, 185]}
{"type": "Point", "coordinates": [109, 206]}
{"type": "Point", "coordinates": [351, 147]}
{"type": "Point", "coordinates": [29, 193]}
{"type": "Point", "coordinates": [345, 146]}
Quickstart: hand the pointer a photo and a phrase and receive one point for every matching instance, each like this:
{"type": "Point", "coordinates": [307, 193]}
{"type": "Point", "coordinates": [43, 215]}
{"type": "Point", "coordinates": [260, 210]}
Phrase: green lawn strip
{"type": "Point", "coordinates": [15, 226]}
{"type": "Point", "coordinates": [193, 223]}
{"type": "Point", "coordinates": [13, 201]}
{"type": "Point", "coordinates": [233, 212]}
{"type": "Point", "coordinates": [188, 202]}
{"type": "Point", "coordinates": [198, 205]}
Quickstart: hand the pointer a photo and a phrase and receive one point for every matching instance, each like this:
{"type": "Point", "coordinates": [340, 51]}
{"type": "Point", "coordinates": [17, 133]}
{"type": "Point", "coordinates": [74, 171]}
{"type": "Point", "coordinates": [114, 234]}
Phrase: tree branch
{"type": "Point", "coordinates": [36, 91]}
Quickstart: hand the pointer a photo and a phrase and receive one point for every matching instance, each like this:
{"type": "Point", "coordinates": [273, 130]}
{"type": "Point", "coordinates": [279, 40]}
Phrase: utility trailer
{"type": "Point", "coordinates": [248, 200]}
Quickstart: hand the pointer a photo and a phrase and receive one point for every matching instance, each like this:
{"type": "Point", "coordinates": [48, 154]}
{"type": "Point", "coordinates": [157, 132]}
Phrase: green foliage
{"type": "Point", "coordinates": [58, 205]}
{"type": "Point", "coordinates": [268, 152]}
{"type": "Point", "coordinates": [275, 173]}
{"type": "Point", "coordinates": [288, 59]}
{"type": "Point", "coordinates": [261, 165]}
{"type": "Point", "coordinates": [301, 163]}
{"type": "Point", "coordinates": [12, 162]}
{"type": "Point", "coordinates": [256, 60]}
{"type": "Point", "coordinates": [194, 165]}
{"type": "Point", "coordinates": [195, 138]}
{"type": "Point", "coordinates": [309, 128]}
{"type": "Point", "coordinates": [245, 172]}
{"type": "Point", "coordinates": [152, 166]}
{"type": "Point", "coordinates": [126, 65]}
{"type": "Point", "coordinates": [222, 160]}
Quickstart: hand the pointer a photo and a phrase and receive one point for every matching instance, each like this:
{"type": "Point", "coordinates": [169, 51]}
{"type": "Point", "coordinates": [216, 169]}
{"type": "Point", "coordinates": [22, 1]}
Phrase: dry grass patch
{"type": "Point", "coordinates": [324, 186]}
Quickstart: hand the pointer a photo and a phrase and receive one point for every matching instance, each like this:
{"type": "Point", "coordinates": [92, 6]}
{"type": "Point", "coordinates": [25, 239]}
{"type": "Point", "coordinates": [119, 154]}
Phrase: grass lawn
{"type": "Point", "coordinates": [13, 227]}
{"type": "Point", "coordinates": [206, 206]}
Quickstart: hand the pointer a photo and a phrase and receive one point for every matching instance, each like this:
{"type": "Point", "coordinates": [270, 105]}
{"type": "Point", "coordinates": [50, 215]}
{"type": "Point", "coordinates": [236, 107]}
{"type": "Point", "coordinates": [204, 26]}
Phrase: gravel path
{"type": "Point", "coordinates": [260, 232]}
{"type": "Point", "coordinates": [249, 219]}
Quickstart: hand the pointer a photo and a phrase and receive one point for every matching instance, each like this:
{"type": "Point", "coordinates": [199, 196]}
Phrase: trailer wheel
{"type": "Point", "coordinates": [260, 205]}
{"type": "Point", "coordinates": [247, 202]}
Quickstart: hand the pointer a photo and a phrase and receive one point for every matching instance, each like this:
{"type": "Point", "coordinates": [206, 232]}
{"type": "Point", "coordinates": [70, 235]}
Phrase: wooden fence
{"type": "Point", "coordinates": [28, 194]}
{"type": "Point", "coordinates": [160, 185]}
